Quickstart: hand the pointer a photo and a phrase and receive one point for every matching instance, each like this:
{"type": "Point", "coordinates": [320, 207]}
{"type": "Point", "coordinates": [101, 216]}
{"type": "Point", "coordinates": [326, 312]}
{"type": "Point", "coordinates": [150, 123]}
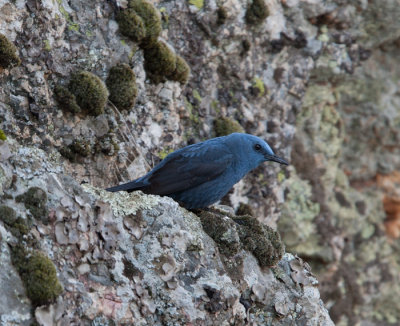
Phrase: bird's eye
{"type": "Point", "coordinates": [257, 147]}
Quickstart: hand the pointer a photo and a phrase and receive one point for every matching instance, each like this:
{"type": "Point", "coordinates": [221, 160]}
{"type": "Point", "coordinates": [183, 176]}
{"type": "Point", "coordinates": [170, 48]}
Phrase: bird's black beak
{"type": "Point", "coordinates": [275, 158]}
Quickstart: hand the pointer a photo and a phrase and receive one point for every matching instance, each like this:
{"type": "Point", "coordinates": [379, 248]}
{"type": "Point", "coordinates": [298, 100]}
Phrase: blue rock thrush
{"type": "Point", "coordinates": [199, 175]}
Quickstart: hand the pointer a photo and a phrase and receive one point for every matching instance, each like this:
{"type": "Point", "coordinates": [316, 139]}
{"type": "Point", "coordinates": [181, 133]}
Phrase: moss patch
{"type": "Point", "coordinates": [256, 12]}
{"type": "Point", "coordinates": [35, 199]}
{"type": "Point", "coordinates": [181, 72]}
{"type": "Point", "coordinates": [261, 240]}
{"type": "Point", "coordinates": [8, 53]}
{"type": "Point", "coordinates": [90, 92]}
{"type": "Point", "coordinates": [225, 126]}
{"type": "Point", "coordinates": [151, 19]}
{"type": "Point", "coordinates": [244, 209]}
{"type": "Point", "coordinates": [131, 25]}
{"type": "Point", "coordinates": [107, 144]}
{"type": "Point", "coordinates": [121, 83]}
{"type": "Point", "coordinates": [141, 22]}
{"type": "Point", "coordinates": [78, 148]}
{"type": "Point", "coordinates": [38, 275]}
{"type": "Point", "coordinates": [16, 225]}
{"type": "Point", "coordinates": [222, 230]}
{"type": "Point", "coordinates": [160, 61]}
{"type": "Point", "coordinates": [197, 3]}
{"type": "Point", "coordinates": [164, 153]}
{"type": "Point", "coordinates": [222, 15]}
{"type": "Point", "coordinates": [258, 87]}
{"type": "Point", "coordinates": [2, 135]}
{"type": "Point", "coordinates": [66, 99]}
{"type": "Point", "coordinates": [246, 45]}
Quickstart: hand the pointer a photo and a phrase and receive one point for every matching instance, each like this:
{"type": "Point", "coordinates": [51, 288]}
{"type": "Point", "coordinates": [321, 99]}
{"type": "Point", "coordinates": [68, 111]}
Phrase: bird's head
{"type": "Point", "coordinates": [253, 149]}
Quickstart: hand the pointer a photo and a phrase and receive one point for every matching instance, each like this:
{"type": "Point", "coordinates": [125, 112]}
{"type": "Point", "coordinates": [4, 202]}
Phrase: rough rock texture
{"type": "Point", "coordinates": [141, 259]}
{"type": "Point", "coordinates": [318, 79]}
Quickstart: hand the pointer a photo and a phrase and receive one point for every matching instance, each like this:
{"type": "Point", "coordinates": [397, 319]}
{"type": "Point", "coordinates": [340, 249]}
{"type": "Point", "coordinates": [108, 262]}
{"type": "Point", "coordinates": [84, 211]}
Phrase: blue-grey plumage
{"type": "Point", "coordinates": [201, 174]}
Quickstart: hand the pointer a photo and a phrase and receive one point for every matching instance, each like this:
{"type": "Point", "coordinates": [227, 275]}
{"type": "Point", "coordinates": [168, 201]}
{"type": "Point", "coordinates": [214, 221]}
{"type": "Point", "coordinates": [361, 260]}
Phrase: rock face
{"type": "Point", "coordinates": [318, 79]}
{"type": "Point", "coordinates": [140, 259]}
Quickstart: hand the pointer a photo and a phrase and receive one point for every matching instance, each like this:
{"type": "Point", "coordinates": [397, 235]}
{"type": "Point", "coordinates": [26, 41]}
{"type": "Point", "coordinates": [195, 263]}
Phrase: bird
{"type": "Point", "coordinates": [199, 175]}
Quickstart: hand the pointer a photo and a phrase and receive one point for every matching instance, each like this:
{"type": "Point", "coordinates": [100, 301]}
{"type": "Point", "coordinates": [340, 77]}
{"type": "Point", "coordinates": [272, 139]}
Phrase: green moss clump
{"type": "Point", "coordinates": [16, 225]}
{"type": "Point", "coordinates": [7, 215]}
{"type": "Point", "coordinates": [222, 230]}
{"type": "Point", "coordinates": [256, 12]}
{"type": "Point", "coordinates": [2, 135]}
{"type": "Point", "coordinates": [160, 61]}
{"type": "Point", "coordinates": [181, 72]}
{"type": "Point", "coordinates": [261, 240]}
{"type": "Point", "coordinates": [131, 25]}
{"type": "Point", "coordinates": [38, 275]}
{"type": "Point", "coordinates": [258, 87]}
{"type": "Point", "coordinates": [225, 126]}
{"type": "Point", "coordinates": [81, 147]}
{"type": "Point", "coordinates": [107, 145]}
{"type": "Point", "coordinates": [35, 199]}
{"type": "Point", "coordinates": [66, 99]}
{"type": "Point", "coordinates": [222, 15]}
{"type": "Point", "coordinates": [246, 45]}
{"type": "Point", "coordinates": [121, 83]}
{"type": "Point", "coordinates": [164, 153]}
{"type": "Point", "coordinates": [197, 3]}
{"type": "Point", "coordinates": [90, 92]}
{"type": "Point", "coordinates": [78, 148]}
{"type": "Point", "coordinates": [244, 209]}
{"type": "Point", "coordinates": [151, 19]}
{"type": "Point", "coordinates": [20, 227]}
{"type": "Point", "coordinates": [8, 53]}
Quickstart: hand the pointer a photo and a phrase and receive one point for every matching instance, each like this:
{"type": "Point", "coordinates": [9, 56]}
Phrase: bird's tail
{"type": "Point", "coordinates": [129, 187]}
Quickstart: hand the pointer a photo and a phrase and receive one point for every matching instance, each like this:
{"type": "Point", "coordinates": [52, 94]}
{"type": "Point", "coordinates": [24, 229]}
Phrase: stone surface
{"type": "Point", "coordinates": [143, 259]}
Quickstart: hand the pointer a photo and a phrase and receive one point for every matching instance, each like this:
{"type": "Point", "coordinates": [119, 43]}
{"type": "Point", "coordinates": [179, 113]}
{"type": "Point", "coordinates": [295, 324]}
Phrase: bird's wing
{"type": "Point", "coordinates": [188, 168]}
